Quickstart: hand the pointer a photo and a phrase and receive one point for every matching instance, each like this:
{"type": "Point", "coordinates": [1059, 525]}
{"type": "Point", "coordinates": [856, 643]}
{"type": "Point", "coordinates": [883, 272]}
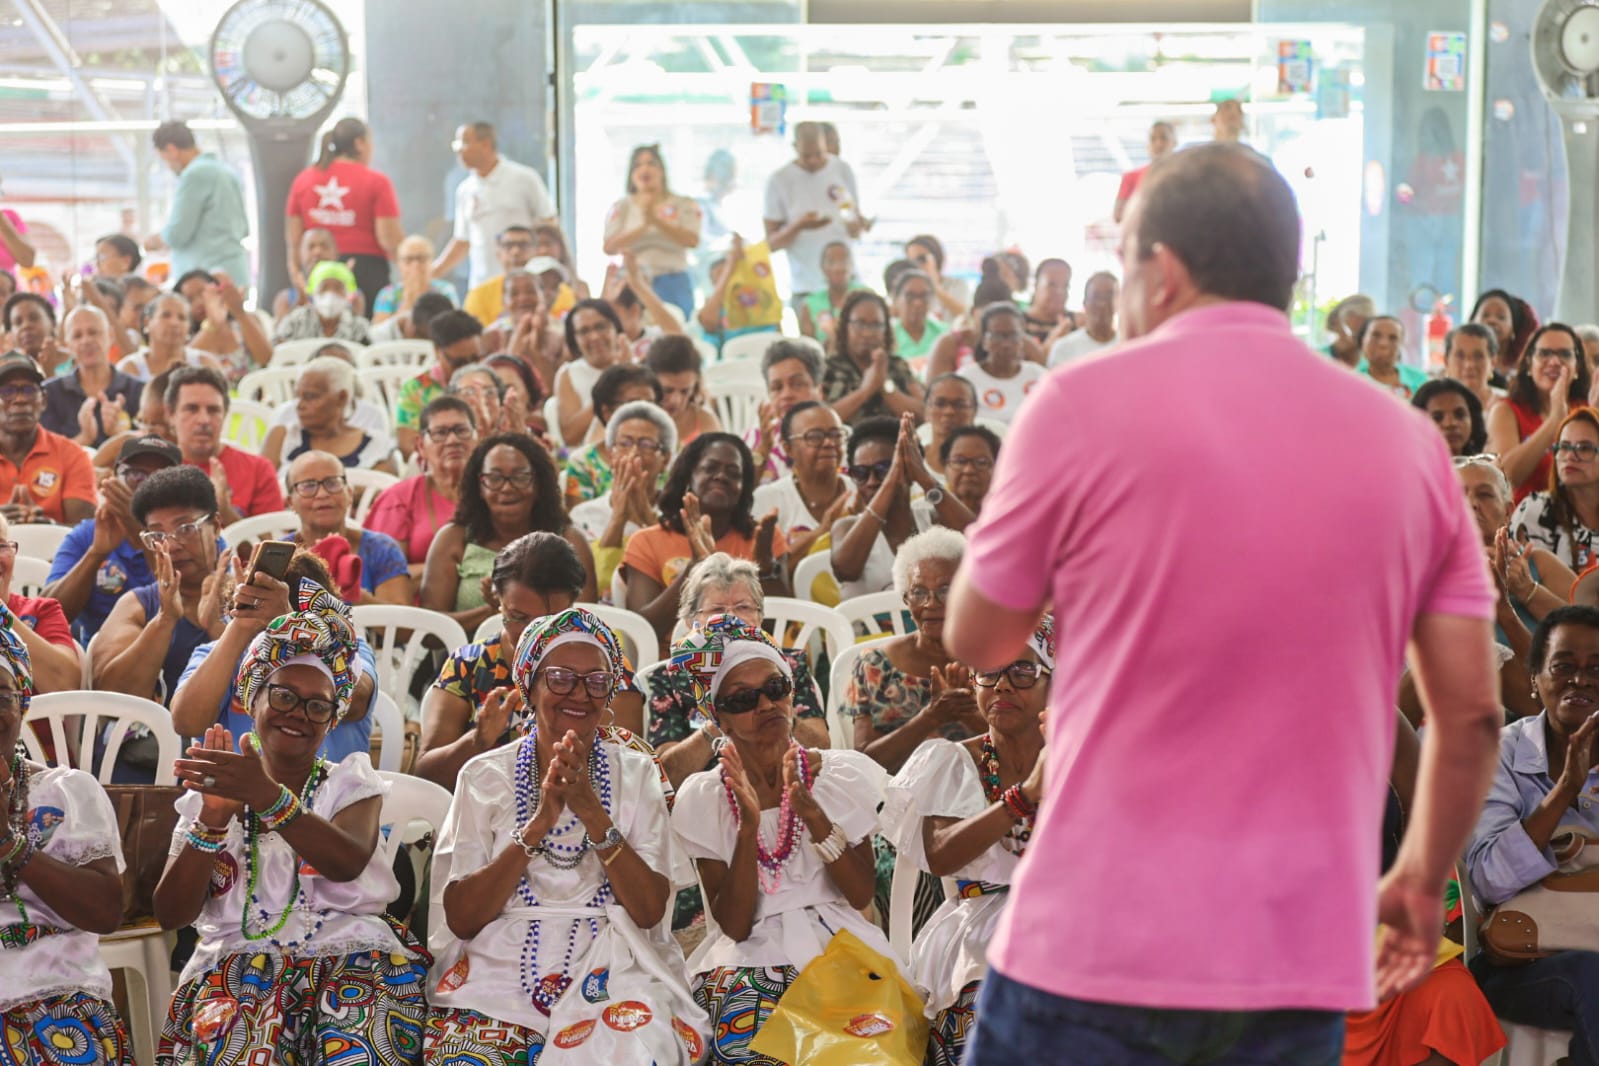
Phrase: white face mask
{"type": "Point", "coordinates": [330, 304]}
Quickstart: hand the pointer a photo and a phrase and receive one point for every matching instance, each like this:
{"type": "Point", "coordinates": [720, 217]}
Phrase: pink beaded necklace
{"type": "Point", "coordinates": [769, 864]}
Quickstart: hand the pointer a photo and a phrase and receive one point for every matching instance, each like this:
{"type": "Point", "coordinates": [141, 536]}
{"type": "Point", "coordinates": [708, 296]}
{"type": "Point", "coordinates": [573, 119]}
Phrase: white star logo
{"type": "Point", "coordinates": [330, 195]}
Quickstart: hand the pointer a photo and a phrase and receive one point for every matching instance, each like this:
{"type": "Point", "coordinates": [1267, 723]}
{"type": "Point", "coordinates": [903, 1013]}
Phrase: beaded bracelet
{"type": "Point", "coordinates": [1017, 805]}
{"type": "Point", "coordinates": [203, 838]}
{"type": "Point", "coordinates": [285, 810]}
{"type": "Point", "coordinates": [18, 842]}
{"type": "Point", "coordinates": [830, 848]}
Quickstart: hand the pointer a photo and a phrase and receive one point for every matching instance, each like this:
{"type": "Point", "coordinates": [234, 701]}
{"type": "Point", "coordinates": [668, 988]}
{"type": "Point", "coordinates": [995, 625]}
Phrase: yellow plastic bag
{"type": "Point", "coordinates": [752, 300]}
{"type": "Point", "coordinates": [848, 1007]}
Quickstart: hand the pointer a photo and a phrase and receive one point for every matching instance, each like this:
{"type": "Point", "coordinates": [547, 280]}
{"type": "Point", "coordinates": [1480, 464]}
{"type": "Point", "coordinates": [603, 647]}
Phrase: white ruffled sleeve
{"type": "Point", "coordinates": [350, 780]}
{"type": "Point", "coordinates": [939, 780]}
{"type": "Point", "coordinates": [849, 789]}
{"type": "Point", "coordinates": [701, 820]}
{"type": "Point", "coordinates": [188, 808]}
{"type": "Point", "coordinates": [88, 829]}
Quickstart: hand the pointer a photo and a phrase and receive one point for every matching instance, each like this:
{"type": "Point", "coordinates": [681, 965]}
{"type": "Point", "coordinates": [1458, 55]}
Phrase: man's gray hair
{"type": "Point", "coordinates": [1491, 465]}
{"type": "Point", "coordinates": [935, 543]}
{"type": "Point", "coordinates": [1588, 331]}
{"type": "Point", "coordinates": [86, 309]}
{"type": "Point", "coordinates": [470, 370]}
{"type": "Point", "coordinates": [718, 570]}
{"type": "Point", "coordinates": [650, 413]}
{"type": "Point", "coordinates": [783, 350]}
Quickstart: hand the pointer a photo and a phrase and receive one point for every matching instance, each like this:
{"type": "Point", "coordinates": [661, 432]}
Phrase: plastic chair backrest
{"type": "Point", "coordinates": [270, 385]}
{"type": "Point", "coordinates": [737, 404]}
{"type": "Point", "coordinates": [423, 632]}
{"type": "Point", "coordinates": [638, 637]}
{"type": "Point", "coordinates": [29, 575]}
{"type": "Point", "coordinates": [273, 525]}
{"type": "Point", "coordinates": [381, 384]}
{"type": "Point", "coordinates": [841, 726]}
{"type": "Point", "coordinates": [877, 614]}
{"type": "Point", "coordinates": [410, 800]}
{"type": "Point", "coordinates": [808, 570]}
{"type": "Point", "coordinates": [388, 723]}
{"type": "Point", "coordinates": [39, 539]}
{"type": "Point", "coordinates": [797, 623]}
{"type": "Point", "coordinates": [95, 711]}
{"type": "Point", "coordinates": [248, 424]}
{"type": "Point", "coordinates": [298, 353]}
{"type": "Point", "coordinates": [414, 354]}
{"type": "Point", "coordinates": [742, 373]}
{"type": "Point", "coordinates": [748, 347]}
{"type": "Point", "coordinates": [367, 485]}
{"type": "Point", "coordinates": [489, 628]}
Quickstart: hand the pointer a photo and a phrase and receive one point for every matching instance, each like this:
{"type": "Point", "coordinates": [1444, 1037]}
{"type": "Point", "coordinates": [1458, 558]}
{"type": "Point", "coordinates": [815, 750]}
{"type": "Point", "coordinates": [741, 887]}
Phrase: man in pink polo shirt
{"type": "Point", "coordinates": [1236, 569]}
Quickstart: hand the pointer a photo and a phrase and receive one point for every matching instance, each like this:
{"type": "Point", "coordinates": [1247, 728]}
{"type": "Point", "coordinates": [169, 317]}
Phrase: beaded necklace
{"type": "Point", "coordinates": [563, 853]}
{"type": "Point", "coordinates": [769, 863]}
{"type": "Point", "coordinates": [1021, 832]}
{"type": "Point", "coordinates": [252, 862]}
{"type": "Point", "coordinates": [17, 820]}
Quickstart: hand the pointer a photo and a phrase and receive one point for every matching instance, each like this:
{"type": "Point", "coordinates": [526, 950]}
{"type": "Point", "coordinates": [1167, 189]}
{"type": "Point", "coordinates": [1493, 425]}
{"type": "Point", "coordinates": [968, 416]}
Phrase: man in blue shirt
{"type": "Point", "coordinates": [207, 223]}
{"type": "Point", "coordinates": [102, 557]}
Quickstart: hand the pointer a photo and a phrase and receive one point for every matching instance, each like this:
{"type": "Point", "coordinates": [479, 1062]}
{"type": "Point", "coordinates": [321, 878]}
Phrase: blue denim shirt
{"type": "Point", "coordinates": [1501, 859]}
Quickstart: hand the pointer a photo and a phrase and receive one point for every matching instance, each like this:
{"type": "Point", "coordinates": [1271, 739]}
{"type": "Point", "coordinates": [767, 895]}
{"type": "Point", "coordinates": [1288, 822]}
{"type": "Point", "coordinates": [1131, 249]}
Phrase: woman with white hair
{"type": "Point", "coordinates": [781, 834]}
{"type": "Point", "coordinates": [685, 739]}
{"type": "Point", "coordinates": [909, 689]}
{"type": "Point", "coordinates": [93, 401]}
{"type": "Point", "coordinates": [640, 439]}
{"type": "Point", "coordinates": [324, 411]}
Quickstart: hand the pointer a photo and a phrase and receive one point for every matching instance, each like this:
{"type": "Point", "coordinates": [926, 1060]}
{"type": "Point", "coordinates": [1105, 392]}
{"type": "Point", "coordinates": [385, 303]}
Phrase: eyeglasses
{"type": "Point", "coordinates": [971, 462]}
{"type": "Point", "coordinates": [645, 445]}
{"type": "Point", "coordinates": [154, 538]}
{"type": "Point", "coordinates": [1583, 450]}
{"type": "Point", "coordinates": [9, 393]}
{"type": "Point", "coordinates": [9, 547]}
{"type": "Point", "coordinates": [869, 327]}
{"type": "Point", "coordinates": [1565, 355]}
{"type": "Point", "coordinates": [494, 481]}
{"type": "Point", "coordinates": [861, 473]}
{"type": "Point", "coordinates": [598, 327]}
{"type": "Point", "coordinates": [731, 471]}
{"type": "Point", "coordinates": [440, 434]}
{"type": "Point", "coordinates": [775, 688]}
{"type": "Point", "coordinates": [330, 485]}
{"type": "Point", "coordinates": [815, 438]}
{"type": "Point", "coordinates": [951, 405]}
{"type": "Point", "coordinates": [475, 391]}
{"type": "Point", "coordinates": [10, 702]}
{"type": "Point", "coordinates": [563, 682]}
{"type": "Point", "coordinates": [921, 594]}
{"type": "Point", "coordinates": [1023, 673]}
{"type": "Point", "coordinates": [517, 246]}
{"type": "Point", "coordinates": [1565, 671]}
{"type": "Point", "coordinates": [283, 699]}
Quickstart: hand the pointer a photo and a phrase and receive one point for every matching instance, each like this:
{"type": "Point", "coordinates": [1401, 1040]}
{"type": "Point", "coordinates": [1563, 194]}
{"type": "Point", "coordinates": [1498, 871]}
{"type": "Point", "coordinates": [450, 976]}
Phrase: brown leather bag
{"type": "Point", "coordinates": [1558, 913]}
{"type": "Point", "coordinates": [146, 817]}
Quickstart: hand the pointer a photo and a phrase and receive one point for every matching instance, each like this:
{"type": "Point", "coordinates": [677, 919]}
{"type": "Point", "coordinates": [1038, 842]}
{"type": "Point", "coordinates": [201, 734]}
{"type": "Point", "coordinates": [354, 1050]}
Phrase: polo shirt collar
{"type": "Point", "coordinates": [1529, 752]}
{"type": "Point", "coordinates": [1225, 314]}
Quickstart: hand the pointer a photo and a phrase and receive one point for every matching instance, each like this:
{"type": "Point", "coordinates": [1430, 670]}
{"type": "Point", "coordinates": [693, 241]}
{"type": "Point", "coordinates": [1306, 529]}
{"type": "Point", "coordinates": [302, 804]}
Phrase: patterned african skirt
{"type": "Point", "coordinates": [946, 1037]}
{"type": "Point", "coordinates": [739, 999]}
{"type": "Point", "coordinates": [365, 1007]}
{"type": "Point", "coordinates": [459, 1037]}
{"type": "Point", "coordinates": [73, 1027]}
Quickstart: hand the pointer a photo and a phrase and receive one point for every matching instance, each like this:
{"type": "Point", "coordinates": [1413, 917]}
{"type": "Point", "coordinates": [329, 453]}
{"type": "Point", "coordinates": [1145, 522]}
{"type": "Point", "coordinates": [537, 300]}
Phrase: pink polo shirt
{"type": "Point", "coordinates": [1239, 536]}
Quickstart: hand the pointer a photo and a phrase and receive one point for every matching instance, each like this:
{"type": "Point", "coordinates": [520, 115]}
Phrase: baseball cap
{"type": "Point", "coordinates": [15, 360]}
{"type": "Point", "coordinates": [150, 444]}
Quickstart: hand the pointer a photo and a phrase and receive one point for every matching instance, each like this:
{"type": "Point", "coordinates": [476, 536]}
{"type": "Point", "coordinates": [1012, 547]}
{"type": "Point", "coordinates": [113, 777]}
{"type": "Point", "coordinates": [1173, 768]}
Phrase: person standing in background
{"type": "Point", "coordinates": [657, 226]}
{"type": "Point", "coordinates": [498, 193]}
{"type": "Point", "coordinates": [342, 194]}
{"type": "Point", "coordinates": [1228, 121]}
{"type": "Point", "coordinates": [810, 203]}
{"type": "Point", "coordinates": [1199, 674]}
{"type": "Point", "coordinates": [1162, 140]}
{"type": "Point", "coordinates": [207, 224]}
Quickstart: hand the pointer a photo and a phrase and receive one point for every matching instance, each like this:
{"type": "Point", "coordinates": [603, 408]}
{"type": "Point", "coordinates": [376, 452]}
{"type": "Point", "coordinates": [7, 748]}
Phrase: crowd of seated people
{"type": "Point", "coordinates": [551, 451]}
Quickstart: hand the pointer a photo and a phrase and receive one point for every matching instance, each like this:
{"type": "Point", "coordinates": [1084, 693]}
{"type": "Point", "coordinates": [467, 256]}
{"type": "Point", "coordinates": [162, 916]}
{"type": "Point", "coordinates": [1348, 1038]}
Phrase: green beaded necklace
{"type": "Point", "coordinates": [253, 863]}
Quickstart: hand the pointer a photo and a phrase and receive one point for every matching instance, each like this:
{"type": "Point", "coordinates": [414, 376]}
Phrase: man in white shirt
{"type": "Point", "coordinates": [1099, 322]}
{"type": "Point", "coordinates": [497, 193]}
{"type": "Point", "coordinates": [810, 203]}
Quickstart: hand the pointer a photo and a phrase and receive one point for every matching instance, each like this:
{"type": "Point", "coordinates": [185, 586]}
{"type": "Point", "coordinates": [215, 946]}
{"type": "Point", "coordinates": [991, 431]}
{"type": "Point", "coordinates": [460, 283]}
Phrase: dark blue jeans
{"type": "Point", "coordinates": [1560, 992]}
{"type": "Point", "coordinates": [1019, 1024]}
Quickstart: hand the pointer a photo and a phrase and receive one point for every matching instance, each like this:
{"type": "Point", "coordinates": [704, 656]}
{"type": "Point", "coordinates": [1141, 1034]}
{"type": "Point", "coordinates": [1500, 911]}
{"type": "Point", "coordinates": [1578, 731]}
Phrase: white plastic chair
{"type": "Point", "coordinates": [841, 726]}
{"type": "Point", "coordinates": [902, 903]}
{"type": "Point", "coordinates": [29, 575]}
{"type": "Point", "coordinates": [297, 353]}
{"type": "Point", "coordinates": [1524, 1045]}
{"type": "Point", "coordinates": [924, 432]}
{"type": "Point", "coordinates": [808, 570]}
{"type": "Point", "coordinates": [141, 951]}
{"type": "Point", "coordinates": [866, 615]}
{"type": "Point", "coordinates": [410, 800]}
{"type": "Point", "coordinates": [796, 623]}
{"type": "Point", "coordinates": [717, 375]}
{"type": "Point", "coordinates": [414, 354]}
{"type": "Point", "coordinates": [738, 404]}
{"type": "Point", "coordinates": [397, 663]}
{"type": "Point", "coordinates": [389, 725]}
{"type": "Point", "coordinates": [638, 637]}
{"type": "Point", "coordinates": [367, 485]}
{"type": "Point", "coordinates": [274, 525]}
{"type": "Point", "coordinates": [271, 385]}
{"type": "Point", "coordinates": [381, 384]}
{"type": "Point", "coordinates": [489, 629]}
{"type": "Point", "coordinates": [247, 425]}
{"type": "Point", "coordinates": [748, 346]}
{"type": "Point", "coordinates": [38, 539]}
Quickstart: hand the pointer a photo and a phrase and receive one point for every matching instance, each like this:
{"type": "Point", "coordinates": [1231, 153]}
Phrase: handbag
{"type": "Point", "coordinates": [1559, 913]}
{"type": "Point", "coordinates": [146, 818]}
{"type": "Point", "coordinates": [849, 1007]}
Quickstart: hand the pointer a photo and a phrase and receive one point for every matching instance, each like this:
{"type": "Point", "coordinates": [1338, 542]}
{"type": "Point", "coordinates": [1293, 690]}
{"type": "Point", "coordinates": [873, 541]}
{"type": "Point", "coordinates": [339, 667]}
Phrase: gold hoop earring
{"type": "Point", "coordinates": [608, 711]}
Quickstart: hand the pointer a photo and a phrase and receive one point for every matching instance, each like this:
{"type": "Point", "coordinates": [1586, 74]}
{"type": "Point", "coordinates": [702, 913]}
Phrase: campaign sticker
{"type": "Point", "coordinates": [595, 984]}
{"type": "Point", "coordinates": [574, 1034]}
{"type": "Point", "coordinates": [690, 1037]}
{"type": "Point", "coordinates": [869, 1025]}
{"type": "Point", "coordinates": [627, 1015]}
{"type": "Point", "coordinates": [455, 976]}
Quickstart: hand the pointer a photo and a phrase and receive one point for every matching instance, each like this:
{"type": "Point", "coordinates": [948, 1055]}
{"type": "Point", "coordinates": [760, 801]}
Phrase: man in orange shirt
{"type": "Point", "coordinates": [44, 477]}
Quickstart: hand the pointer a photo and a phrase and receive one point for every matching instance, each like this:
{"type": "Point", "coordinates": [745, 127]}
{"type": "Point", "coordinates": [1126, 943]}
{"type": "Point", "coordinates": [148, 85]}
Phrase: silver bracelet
{"type": "Point", "coordinates": [532, 851]}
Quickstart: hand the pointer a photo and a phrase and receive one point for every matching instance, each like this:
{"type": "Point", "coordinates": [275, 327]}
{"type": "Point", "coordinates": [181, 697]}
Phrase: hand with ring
{"type": "Point", "coordinates": [198, 773]}
{"type": "Point", "coordinates": [257, 599]}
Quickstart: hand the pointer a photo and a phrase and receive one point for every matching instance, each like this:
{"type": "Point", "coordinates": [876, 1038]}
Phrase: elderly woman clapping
{"type": "Point", "coordinates": [60, 890]}
{"type": "Point", "coordinates": [325, 420]}
{"type": "Point", "coordinates": [275, 861]}
{"type": "Point", "coordinates": [555, 867]}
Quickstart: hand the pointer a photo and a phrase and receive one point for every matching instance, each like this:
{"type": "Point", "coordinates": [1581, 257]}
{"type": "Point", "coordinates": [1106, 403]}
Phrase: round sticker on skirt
{"type": "Point", "coordinates": [691, 1039]}
{"type": "Point", "coordinates": [574, 1034]}
{"type": "Point", "coordinates": [455, 976]}
{"type": "Point", "coordinates": [627, 1015]}
{"type": "Point", "coordinates": [869, 1025]}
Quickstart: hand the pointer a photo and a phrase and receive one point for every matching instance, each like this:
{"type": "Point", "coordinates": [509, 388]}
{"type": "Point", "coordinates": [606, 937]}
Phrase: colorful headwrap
{"type": "Point", "coordinates": [14, 658]}
{"type": "Point", "coordinates": [706, 655]}
{"type": "Point", "coordinates": [1043, 641]}
{"type": "Point", "coordinates": [544, 635]}
{"type": "Point", "coordinates": [319, 633]}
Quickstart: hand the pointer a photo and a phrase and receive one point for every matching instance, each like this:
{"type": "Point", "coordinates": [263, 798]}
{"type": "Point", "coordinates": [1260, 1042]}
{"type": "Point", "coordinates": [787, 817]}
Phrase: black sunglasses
{"type": "Point", "coordinates": [777, 687]}
{"type": "Point", "coordinates": [861, 473]}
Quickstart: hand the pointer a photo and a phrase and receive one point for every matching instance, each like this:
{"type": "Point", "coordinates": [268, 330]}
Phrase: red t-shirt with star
{"type": "Point", "coordinates": [347, 199]}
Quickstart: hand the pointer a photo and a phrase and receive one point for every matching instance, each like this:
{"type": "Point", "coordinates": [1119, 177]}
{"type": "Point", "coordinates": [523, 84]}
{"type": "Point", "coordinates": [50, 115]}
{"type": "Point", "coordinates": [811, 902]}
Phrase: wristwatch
{"type": "Point", "coordinates": [611, 839]}
{"type": "Point", "coordinates": [934, 496]}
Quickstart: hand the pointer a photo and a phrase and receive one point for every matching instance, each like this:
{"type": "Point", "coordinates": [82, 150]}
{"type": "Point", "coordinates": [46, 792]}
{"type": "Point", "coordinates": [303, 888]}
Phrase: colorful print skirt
{"type": "Point", "coordinates": [946, 1040]}
{"type": "Point", "coordinates": [739, 999]}
{"type": "Point", "coordinates": [74, 1028]}
{"type": "Point", "coordinates": [367, 1007]}
{"type": "Point", "coordinates": [467, 1038]}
